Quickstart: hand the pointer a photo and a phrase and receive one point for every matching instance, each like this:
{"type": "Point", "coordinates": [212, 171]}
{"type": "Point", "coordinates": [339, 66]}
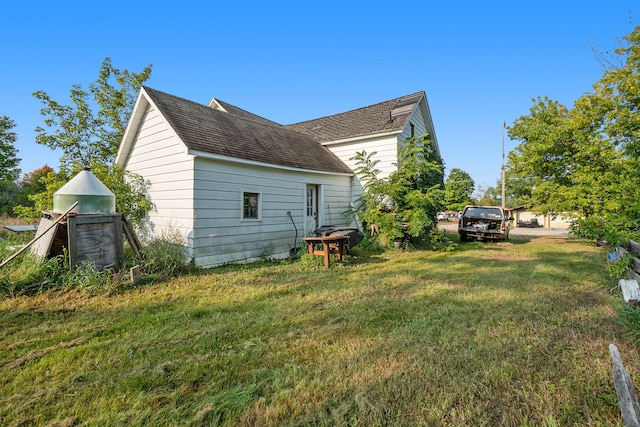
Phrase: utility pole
{"type": "Point", "coordinates": [504, 125]}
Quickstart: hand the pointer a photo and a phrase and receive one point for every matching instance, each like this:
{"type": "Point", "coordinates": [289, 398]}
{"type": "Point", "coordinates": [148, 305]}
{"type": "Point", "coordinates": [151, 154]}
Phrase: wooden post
{"type": "Point", "coordinates": [132, 238]}
{"type": "Point", "coordinates": [49, 227]}
{"type": "Point", "coordinates": [134, 274]}
{"type": "Point", "coordinates": [72, 239]}
{"type": "Point", "coordinates": [629, 407]}
{"type": "Point", "coordinates": [327, 257]}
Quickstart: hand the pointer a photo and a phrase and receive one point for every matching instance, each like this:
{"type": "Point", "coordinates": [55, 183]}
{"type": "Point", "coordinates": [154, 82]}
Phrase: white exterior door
{"type": "Point", "coordinates": [311, 210]}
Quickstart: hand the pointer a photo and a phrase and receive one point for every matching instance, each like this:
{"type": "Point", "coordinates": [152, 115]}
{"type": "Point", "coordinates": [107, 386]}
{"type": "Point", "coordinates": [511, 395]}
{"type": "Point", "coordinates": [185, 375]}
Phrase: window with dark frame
{"type": "Point", "coordinates": [250, 205]}
{"type": "Point", "coordinates": [413, 130]}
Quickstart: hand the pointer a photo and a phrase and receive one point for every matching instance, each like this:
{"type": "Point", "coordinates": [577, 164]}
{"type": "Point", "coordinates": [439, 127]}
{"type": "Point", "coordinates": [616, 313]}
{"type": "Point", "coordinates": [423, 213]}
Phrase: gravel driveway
{"type": "Point", "coordinates": [452, 226]}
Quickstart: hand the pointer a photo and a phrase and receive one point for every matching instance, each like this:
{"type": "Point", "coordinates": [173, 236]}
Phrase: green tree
{"type": "Point", "coordinates": [81, 134]}
{"type": "Point", "coordinates": [406, 203]}
{"type": "Point", "coordinates": [8, 153]}
{"type": "Point", "coordinates": [91, 139]}
{"type": "Point", "coordinates": [458, 189]}
{"type": "Point", "coordinates": [516, 191]}
{"type": "Point", "coordinates": [9, 191]}
{"type": "Point", "coordinates": [488, 196]}
{"type": "Point", "coordinates": [584, 161]}
{"type": "Point", "coordinates": [128, 188]}
{"type": "Point", "coordinates": [31, 184]}
{"type": "Point", "coordinates": [9, 161]}
{"type": "Point", "coordinates": [50, 182]}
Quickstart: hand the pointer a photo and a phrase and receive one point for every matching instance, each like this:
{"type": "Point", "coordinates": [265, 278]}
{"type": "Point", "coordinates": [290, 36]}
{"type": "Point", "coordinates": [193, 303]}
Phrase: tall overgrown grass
{"type": "Point", "coordinates": [487, 334]}
{"type": "Point", "coordinates": [162, 258]}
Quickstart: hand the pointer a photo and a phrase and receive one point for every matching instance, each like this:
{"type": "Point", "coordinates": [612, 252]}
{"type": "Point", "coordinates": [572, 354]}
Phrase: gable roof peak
{"type": "Point", "coordinates": [234, 134]}
{"type": "Point", "coordinates": [385, 116]}
{"type": "Point", "coordinates": [216, 105]}
{"type": "Point", "coordinates": [225, 107]}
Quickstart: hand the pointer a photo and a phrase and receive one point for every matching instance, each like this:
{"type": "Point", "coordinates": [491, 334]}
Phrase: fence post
{"type": "Point", "coordinates": [629, 407]}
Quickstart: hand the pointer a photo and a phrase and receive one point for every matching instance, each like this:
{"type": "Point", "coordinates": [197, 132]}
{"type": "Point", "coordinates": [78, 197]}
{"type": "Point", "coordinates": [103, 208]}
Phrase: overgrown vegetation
{"type": "Point", "coordinates": [89, 131]}
{"type": "Point", "coordinates": [458, 189]}
{"type": "Point", "coordinates": [403, 206]}
{"type": "Point", "coordinates": [9, 171]}
{"type": "Point", "coordinates": [485, 335]}
{"type": "Point", "coordinates": [163, 258]}
{"type": "Point", "coordinates": [619, 267]}
{"type": "Point", "coordinates": [583, 162]}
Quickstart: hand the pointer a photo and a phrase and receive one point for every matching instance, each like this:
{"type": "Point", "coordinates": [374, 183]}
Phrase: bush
{"type": "Point", "coordinates": [166, 257]}
{"type": "Point", "coordinates": [31, 273]}
{"type": "Point", "coordinates": [403, 205]}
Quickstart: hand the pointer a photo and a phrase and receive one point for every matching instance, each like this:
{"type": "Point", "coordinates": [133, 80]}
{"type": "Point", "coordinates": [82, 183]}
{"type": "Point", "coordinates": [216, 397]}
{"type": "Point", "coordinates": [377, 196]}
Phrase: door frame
{"type": "Point", "coordinates": [317, 204]}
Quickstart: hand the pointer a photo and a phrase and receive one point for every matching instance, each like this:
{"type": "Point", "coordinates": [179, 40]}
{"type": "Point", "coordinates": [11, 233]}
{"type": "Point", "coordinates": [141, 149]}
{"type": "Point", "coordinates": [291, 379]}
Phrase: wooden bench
{"type": "Point", "coordinates": [330, 245]}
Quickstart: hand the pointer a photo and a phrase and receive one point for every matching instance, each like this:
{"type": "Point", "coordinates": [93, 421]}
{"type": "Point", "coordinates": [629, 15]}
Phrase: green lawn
{"type": "Point", "coordinates": [489, 334]}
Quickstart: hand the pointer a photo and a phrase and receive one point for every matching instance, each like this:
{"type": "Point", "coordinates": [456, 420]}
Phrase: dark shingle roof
{"type": "Point", "coordinates": [213, 131]}
{"type": "Point", "coordinates": [389, 115]}
{"type": "Point", "coordinates": [236, 111]}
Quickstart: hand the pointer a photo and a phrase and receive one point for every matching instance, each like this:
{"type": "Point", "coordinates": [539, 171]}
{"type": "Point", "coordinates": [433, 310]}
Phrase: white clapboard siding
{"type": "Point", "coordinates": [419, 128]}
{"type": "Point", "coordinates": [385, 147]}
{"type": "Point", "coordinates": [161, 158]}
{"type": "Point", "coordinates": [220, 234]}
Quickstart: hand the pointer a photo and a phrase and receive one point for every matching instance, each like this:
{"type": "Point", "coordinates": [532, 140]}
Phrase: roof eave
{"type": "Point", "coordinates": [426, 112]}
{"type": "Point", "coordinates": [138, 112]}
{"type": "Point", "coordinates": [362, 136]}
{"type": "Point", "coordinates": [212, 156]}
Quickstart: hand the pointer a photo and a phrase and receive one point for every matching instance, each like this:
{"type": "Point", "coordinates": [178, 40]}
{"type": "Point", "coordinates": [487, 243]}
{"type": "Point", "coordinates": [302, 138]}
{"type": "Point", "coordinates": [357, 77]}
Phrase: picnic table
{"type": "Point", "coordinates": [330, 245]}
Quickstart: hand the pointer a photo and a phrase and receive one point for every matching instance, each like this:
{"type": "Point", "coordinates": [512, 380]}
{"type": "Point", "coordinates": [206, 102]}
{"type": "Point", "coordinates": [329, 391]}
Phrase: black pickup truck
{"type": "Point", "coordinates": [484, 223]}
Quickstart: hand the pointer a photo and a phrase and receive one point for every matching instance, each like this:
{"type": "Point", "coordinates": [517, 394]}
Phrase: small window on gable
{"type": "Point", "coordinates": [413, 130]}
{"type": "Point", "coordinates": [250, 205]}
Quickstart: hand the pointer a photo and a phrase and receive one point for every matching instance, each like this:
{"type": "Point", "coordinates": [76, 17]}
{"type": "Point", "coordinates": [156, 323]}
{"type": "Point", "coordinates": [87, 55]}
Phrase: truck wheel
{"type": "Point", "coordinates": [463, 237]}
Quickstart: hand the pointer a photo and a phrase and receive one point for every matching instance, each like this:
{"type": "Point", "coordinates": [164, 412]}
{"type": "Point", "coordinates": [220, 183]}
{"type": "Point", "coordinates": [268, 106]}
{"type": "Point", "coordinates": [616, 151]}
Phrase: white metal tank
{"type": "Point", "coordinates": [92, 195]}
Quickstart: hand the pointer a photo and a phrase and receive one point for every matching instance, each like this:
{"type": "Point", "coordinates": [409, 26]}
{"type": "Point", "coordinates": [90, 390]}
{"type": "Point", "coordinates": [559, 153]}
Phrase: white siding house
{"type": "Point", "coordinates": [379, 128]}
{"type": "Point", "coordinates": [162, 159]}
{"type": "Point", "coordinates": [238, 188]}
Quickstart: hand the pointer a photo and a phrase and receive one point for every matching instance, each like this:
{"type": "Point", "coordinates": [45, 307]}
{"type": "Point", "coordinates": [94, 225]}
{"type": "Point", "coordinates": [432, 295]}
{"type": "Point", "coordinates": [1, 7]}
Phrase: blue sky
{"type": "Point", "coordinates": [480, 63]}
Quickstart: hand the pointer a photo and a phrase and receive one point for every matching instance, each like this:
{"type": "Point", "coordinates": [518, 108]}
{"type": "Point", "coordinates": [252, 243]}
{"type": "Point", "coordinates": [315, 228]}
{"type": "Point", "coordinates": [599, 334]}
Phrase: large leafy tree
{"type": "Point", "coordinates": [30, 184]}
{"type": "Point", "coordinates": [458, 189]}
{"type": "Point", "coordinates": [515, 194]}
{"type": "Point", "coordinates": [88, 131]}
{"type": "Point", "coordinates": [584, 161]}
{"type": "Point", "coordinates": [9, 161]}
{"type": "Point", "coordinates": [8, 153]}
{"type": "Point", "coordinates": [488, 196]}
{"type": "Point", "coordinates": [82, 134]}
{"type": "Point", "coordinates": [405, 203]}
